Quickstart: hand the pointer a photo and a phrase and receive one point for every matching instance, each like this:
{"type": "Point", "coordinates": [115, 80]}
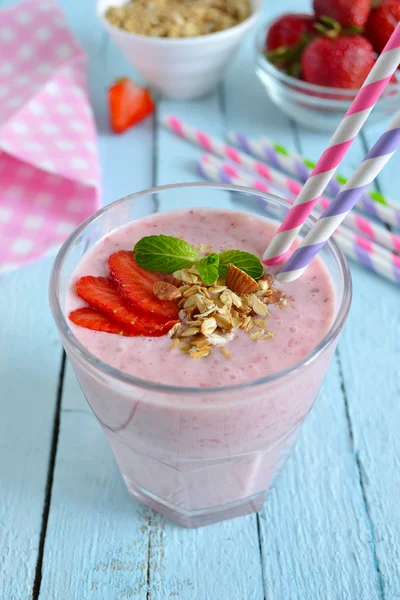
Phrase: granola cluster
{"type": "Point", "coordinates": [210, 314]}
{"type": "Point", "coordinates": [178, 18]}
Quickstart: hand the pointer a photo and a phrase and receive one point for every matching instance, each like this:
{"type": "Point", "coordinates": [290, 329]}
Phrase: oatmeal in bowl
{"type": "Point", "coordinates": [178, 18]}
{"type": "Point", "coordinates": [180, 48]}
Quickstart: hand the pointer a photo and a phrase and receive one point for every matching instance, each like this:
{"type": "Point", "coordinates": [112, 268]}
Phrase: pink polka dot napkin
{"type": "Point", "coordinates": [49, 169]}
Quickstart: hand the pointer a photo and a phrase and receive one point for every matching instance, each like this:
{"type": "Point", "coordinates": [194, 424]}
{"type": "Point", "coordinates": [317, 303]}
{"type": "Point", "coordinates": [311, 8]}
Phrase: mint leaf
{"type": "Point", "coordinates": [164, 254]}
{"type": "Point", "coordinates": [249, 263]}
{"type": "Point", "coordinates": [208, 268]}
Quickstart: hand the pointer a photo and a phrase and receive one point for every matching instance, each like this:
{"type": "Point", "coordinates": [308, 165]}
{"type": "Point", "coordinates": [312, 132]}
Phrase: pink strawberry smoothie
{"type": "Point", "coordinates": [298, 328]}
{"type": "Point", "coordinates": [192, 453]}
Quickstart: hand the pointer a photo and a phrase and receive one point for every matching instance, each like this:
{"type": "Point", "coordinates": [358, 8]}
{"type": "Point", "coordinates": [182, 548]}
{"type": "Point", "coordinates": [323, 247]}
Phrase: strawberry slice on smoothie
{"type": "Point", "coordinates": [136, 285]}
{"type": "Point", "coordinates": [90, 318]}
{"type": "Point", "coordinates": [102, 295]}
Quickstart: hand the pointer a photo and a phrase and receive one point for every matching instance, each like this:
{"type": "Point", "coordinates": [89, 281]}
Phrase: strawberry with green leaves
{"type": "Point", "coordinates": [382, 22]}
{"type": "Point", "coordinates": [289, 30]}
{"type": "Point", "coordinates": [342, 62]}
{"type": "Point", "coordinates": [286, 39]}
{"type": "Point", "coordinates": [349, 13]}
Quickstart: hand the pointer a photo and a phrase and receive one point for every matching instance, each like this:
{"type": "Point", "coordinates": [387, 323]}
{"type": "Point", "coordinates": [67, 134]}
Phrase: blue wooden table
{"type": "Point", "coordinates": [69, 530]}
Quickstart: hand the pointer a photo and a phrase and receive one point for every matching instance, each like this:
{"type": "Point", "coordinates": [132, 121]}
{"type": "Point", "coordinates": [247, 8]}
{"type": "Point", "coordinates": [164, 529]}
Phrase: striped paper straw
{"type": "Point", "coordinates": [353, 221]}
{"type": "Point", "coordinates": [219, 148]}
{"type": "Point", "coordinates": [341, 141]}
{"type": "Point", "coordinates": [364, 256]}
{"type": "Point", "coordinates": [367, 253]}
{"type": "Point", "coordinates": [283, 159]}
{"type": "Point", "coordinates": [331, 218]}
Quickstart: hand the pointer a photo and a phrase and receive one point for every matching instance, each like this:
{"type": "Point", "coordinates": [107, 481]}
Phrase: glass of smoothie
{"type": "Point", "coordinates": [201, 440]}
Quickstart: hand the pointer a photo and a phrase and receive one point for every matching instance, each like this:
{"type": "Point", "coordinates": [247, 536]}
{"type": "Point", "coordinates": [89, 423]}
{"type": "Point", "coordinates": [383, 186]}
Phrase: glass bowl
{"type": "Point", "coordinates": [315, 106]}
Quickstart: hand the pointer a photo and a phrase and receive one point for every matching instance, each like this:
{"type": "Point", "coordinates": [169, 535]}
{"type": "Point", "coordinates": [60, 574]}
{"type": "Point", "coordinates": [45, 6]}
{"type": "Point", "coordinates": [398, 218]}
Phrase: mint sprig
{"type": "Point", "coordinates": [166, 254]}
{"type": "Point", "coordinates": [249, 263]}
{"type": "Point", "coordinates": [208, 268]}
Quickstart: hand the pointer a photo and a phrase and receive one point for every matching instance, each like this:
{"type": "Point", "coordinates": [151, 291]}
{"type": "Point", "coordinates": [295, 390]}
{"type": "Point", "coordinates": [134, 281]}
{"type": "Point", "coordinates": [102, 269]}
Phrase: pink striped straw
{"type": "Point", "coordinates": [219, 148]}
{"type": "Point", "coordinates": [341, 141]}
{"type": "Point", "coordinates": [356, 222]}
{"type": "Point", "coordinates": [291, 186]}
{"type": "Point", "coordinates": [329, 221]}
{"type": "Point", "coordinates": [355, 246]}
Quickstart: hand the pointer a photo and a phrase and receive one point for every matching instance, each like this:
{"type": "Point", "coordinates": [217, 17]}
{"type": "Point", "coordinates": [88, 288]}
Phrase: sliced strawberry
{"type": "Point", "coordinates": [136, 285]}
{"type": "Point", "coordinates": [102, 294]}
{"type": "Point", "coordinates": [129, 104]}
{"type": "Point", "coordinates": [93, 319]}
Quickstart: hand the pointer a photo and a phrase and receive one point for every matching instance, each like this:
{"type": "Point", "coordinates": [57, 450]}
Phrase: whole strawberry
{"type": "Point", "coordinates": [288, 30]}
{"type": "Point", "coordinates": [348, 13]}
{"type": "Point", "coordinates": [382, 23]}
{"type": "Point", "coordinates": [342, 62]}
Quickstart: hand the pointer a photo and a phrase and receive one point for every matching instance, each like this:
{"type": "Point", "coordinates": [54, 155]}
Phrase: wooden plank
{"type": "Point", "coordinates": [106, 539]}
{"type": "Point", "coordinates": [300, 521]}
{"type": "Point", "coordinates": [94, 527]}
{"type": "Point", "coordinates": [223, 560]}
{"type": "Point", "coordinates": [316, 541]}
{"type": "Point", "coordinates": [30, 359]}
{"type": "Point", "coordinates": [314, 525]}
{"type": "Point", "coordinates": [372, 386]}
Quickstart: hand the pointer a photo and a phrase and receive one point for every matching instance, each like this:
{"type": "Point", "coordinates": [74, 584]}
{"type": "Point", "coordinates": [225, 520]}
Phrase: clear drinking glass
{"type": "Point", "coordinates": [198, 455]}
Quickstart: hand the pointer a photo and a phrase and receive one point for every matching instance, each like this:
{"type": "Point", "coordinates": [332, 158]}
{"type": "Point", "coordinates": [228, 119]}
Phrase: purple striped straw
{"type": "Point", "coordinates": [331, 218]}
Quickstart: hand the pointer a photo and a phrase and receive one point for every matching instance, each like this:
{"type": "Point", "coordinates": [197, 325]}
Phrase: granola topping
{"type": "Point", "coordinates": [166, 291]}
{"type": "Point", "coordinates": [178, 18]}
{"type": "Point", "coordinates": [211, 315]}
{"type": "Point", "coordinates": [241, 283]}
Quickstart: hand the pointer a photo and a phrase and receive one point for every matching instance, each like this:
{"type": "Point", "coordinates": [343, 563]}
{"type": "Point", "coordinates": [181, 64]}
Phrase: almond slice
{"type": "Point", "coordinates": [274, 296]}
{"type": "Point", "coordinates": [239, 282]}
{"type": "Point", "coordinates": [263, 284]}
{"type": "Point", "coordinates": [257, 306]}
{"type": "Point", "coordinates": [166, 291]}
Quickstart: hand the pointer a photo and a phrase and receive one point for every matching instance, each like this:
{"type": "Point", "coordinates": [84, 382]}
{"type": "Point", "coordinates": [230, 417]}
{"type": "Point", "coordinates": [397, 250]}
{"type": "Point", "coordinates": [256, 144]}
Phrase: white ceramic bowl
{"type": "Point", "coordinates": [182, 68]}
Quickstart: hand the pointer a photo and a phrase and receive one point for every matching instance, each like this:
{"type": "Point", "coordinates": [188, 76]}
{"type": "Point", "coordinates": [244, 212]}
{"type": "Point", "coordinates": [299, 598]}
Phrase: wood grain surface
{"type": "Point", "coordinates": [68, 528]}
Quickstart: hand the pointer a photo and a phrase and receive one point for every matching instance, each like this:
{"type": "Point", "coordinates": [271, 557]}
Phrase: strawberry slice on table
{"type": "Point", "coordinates": [136, 285]}
{"type": "Point", "coordinates": [90, 318]}
{"type": "Point", "coordinates": [102, 294]}
{"type": "Point", "coordinates": [128, 104]}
